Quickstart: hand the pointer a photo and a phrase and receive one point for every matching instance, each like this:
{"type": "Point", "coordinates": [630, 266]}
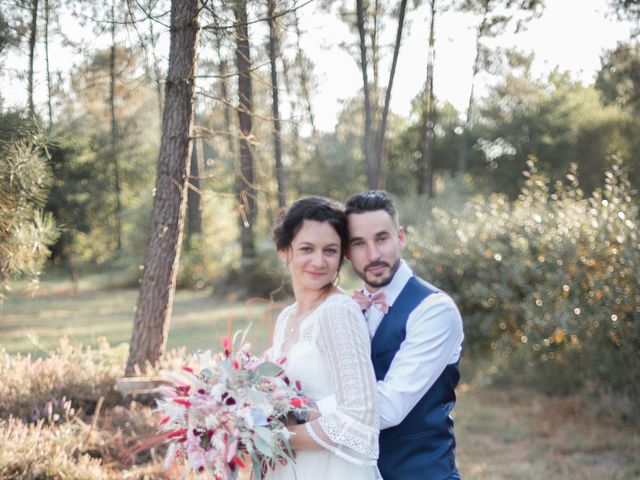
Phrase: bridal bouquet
{"type": "Point", "coordinates": [228, 408]}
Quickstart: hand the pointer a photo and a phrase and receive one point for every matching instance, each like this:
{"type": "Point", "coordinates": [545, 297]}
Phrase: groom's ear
{"type": "Point", "coordinates": [401, 237]}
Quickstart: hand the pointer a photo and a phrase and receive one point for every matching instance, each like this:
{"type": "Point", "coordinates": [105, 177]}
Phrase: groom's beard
{"type": "Point", "coordinates": [382, 280]}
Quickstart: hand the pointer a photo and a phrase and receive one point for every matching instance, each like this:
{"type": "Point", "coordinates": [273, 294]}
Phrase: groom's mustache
{"type": "Point", "coordinates": [379, 263]}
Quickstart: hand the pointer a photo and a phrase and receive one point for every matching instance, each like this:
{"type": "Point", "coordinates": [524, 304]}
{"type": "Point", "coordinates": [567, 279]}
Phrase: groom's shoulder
{"type": "Point", "coordinates": [431, 288]}
{"type": "Point", "coordinates": [435, 295]}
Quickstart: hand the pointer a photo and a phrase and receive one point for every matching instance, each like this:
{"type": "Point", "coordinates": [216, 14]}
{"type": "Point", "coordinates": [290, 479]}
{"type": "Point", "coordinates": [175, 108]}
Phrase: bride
{"type": "Point", "coordinates": [324, 338]}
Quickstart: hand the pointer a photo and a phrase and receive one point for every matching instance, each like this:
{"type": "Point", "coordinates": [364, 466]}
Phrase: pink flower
{"type": "Point", "coordinates": [278, 394]}
{"type": "Point", "coordinates": [232, 448]}
{"type": "Point", "coordinates": [166, 392]}
{"type": "Point", "coordinates": [182, 401]}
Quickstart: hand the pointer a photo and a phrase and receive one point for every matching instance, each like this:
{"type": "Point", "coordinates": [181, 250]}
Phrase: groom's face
{"type": "Point", "coordinates": [375, 244]}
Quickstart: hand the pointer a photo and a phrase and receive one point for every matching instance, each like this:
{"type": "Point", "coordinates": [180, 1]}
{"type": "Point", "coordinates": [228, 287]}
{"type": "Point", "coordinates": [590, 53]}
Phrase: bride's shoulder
{"type": "Point", "coordinates": [341, 300]}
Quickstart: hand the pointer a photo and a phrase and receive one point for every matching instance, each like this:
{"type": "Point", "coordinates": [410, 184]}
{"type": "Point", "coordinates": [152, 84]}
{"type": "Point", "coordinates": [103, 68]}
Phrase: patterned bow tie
{"type": "Point", "coordinates": [377, 300]}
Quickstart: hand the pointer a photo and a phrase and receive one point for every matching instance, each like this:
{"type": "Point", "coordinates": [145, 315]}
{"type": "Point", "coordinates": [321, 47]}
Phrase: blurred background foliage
{"type": "Point", "coordinates": [537, 239]}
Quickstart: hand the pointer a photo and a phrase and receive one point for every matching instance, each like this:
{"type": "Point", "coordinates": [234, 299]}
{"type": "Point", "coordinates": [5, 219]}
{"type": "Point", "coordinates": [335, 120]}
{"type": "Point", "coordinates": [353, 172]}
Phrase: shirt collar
{"type": "Point", "coordinates": [393, 289]}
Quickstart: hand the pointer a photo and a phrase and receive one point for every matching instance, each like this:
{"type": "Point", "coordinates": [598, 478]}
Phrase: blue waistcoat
{"type": "Point", "coordinates": [422, 446]}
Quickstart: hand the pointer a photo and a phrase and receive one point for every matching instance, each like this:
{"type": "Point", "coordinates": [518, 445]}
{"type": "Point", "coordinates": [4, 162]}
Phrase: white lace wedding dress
{"type": "Point", "coordinates": [330, 355]}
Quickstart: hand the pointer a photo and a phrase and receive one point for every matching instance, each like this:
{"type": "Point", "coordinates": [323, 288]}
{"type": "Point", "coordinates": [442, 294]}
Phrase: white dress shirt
{"type": "Point", "coordinates": [433, 340]}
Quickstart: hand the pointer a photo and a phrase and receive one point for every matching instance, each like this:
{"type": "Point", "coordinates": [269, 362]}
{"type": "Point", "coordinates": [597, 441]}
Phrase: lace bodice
{"type": "Point", "coordinates": [331, 356]}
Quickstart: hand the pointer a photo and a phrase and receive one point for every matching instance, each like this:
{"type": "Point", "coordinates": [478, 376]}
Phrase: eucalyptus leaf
{"type": "Point", "coordinates": [269, 369]}
{"type": "Point", "coordinates": [263, 447]}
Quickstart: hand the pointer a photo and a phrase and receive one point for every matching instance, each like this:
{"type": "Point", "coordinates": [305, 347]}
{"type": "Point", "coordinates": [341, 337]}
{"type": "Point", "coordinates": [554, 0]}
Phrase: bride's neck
{"type": "Point", "coordinates": [308, 300]}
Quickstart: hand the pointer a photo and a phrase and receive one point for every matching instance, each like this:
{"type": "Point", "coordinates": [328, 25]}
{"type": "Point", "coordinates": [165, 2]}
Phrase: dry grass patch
{"type": "Point", "coordinates": [516, 434]}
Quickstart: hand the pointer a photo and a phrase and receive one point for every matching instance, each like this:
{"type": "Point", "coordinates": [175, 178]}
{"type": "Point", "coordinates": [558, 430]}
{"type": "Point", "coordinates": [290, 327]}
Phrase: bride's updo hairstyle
{"type": "Point", "coordinates": [319, 209]}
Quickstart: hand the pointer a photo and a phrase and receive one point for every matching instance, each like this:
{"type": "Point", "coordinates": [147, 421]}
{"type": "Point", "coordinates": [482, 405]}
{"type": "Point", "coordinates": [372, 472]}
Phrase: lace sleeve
{"type": "Point", "coordinates": [351, 431]}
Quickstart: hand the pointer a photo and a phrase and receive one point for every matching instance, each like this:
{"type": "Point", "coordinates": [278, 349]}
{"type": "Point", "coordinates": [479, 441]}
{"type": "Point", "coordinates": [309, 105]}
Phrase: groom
{"type": "Point", "coordinates": [416, 333]}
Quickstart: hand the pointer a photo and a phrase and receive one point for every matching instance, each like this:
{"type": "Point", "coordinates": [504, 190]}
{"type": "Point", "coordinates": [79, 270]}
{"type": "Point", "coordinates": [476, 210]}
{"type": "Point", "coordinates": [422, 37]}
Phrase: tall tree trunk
{"type": "Point", "coordinates": [246, 177]}
{"type": "Point", "coordinates": [194, 200]}
{"type": "Point", "coordinates": [156, 63]}
{"type": "Point", "coordinates": [382, 129]}
{"type": "Point", "coordinates": [425, 182]}
{"type": "Point", "coordinates": [114, 130]}
{"type": "Point", "coordinates": [373, 180]}
{"type": "Point", "coordinates": [464, 137]}
{"type": "Point", "coordinates": [275, 107]}
{"type": "Point", "coordinates": [155, 300]}
{"type": "Point", "coordinates": [47, 11]}
{"type": "Point", "coordinates": [228, 109]}
{"type": "Point", "coordinates": [32, 50]}
{"type": "Point", "coordinates": [305, 90]}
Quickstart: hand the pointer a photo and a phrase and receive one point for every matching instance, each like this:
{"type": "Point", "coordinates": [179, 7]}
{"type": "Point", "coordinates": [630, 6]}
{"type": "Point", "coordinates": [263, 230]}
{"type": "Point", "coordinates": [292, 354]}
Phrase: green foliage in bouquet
{"type": "Point", "coordinates": [547, 284]}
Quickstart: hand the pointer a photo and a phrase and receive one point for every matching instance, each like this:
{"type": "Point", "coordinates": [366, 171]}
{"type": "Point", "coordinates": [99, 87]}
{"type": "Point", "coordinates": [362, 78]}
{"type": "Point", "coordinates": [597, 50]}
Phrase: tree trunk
{"type": "Point", "coordinates": [227, 112]}
{"type": "Point", "coordinates": [373, 179]}
{"type": "Point", "coordinates": [32, 50]}
{"type": "Point", "coordinates": [194, 200]}
{"type": "Point", "coordinates": [246, 180]}
{"type": "Point", "coordinates": [464, 138]}
{"type": "Point", "coordinates": [155, 300]}
{"type": "Point", "coordinates": [47, 9]}
{"type": "Point", "coordinates": [382, 130]}
{"type": "Point", "coordinates": [114, 131]}
{"type": "Point", "coordinates": [305, 90]}
{"type": "Point", "coordinates": [275, 107]}
{"type": "Point", "coordinates": [425, 182]}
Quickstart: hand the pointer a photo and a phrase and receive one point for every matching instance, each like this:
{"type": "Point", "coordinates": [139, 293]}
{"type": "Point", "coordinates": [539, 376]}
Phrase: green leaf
{"type": "Point", "coordinates": [269, 369]}
{"type": "Point", "coordinates": [263, 447]}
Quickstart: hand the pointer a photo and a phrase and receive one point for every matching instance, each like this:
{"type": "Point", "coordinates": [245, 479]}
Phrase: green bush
{"type": "Point", "coordinates": [547, 284]}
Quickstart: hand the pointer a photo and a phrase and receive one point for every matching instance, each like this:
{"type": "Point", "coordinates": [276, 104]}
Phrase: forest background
{"type": "Point", "coordinates": [160, 158]}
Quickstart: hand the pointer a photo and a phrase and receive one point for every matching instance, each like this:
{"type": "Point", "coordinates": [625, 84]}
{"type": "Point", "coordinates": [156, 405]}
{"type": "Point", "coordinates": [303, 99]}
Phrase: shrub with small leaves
{"type": "Point", "coordinates": [549, 281]}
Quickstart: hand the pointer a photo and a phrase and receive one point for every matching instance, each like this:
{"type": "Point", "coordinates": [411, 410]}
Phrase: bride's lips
{"type": "Point", "coordinates": [317, 274]}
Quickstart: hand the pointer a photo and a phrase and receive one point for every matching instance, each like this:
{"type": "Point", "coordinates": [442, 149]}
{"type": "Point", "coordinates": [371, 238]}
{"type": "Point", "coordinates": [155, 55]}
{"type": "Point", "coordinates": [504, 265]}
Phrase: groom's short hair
{"type": "Point", "coordinates": [370, 201]}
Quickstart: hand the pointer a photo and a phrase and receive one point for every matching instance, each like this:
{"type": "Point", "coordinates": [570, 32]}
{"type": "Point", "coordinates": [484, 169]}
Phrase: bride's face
{"type": "Point", "coordinates": [314, 256]}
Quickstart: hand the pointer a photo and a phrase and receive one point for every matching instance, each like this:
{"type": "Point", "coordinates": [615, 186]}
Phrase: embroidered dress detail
{"type": "Point", "coordinates": [331, 356]}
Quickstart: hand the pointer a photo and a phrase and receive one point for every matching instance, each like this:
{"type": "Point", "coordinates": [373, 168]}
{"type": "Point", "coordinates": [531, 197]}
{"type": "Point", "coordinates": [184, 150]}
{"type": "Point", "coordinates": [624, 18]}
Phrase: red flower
{"type": "Point", "coordinates": [238, 461]}
{"type": "Point", "coordinates": [296, 402]}
{"type": "Point", "coordinates": [177, 433]}
{"type": "Point", "coordinates": [236, 365]}
{"type": "Point", "coordinates": [183, 389]}
{"type": "Point", "coordinates": [298, 385]}
{"type": "Point", "coordinates": [187, 369]}
{"type": "Point", "coordinates": [182, 401]}
{"type": "Point", "coordinates": [163, 421]}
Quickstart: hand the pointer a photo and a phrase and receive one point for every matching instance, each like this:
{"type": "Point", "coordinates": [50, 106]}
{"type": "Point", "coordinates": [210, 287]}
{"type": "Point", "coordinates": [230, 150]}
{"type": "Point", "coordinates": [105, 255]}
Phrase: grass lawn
{"type": "Point", "coordinates": [502, 433]}
{"type": "Point", "coordinates": [35, 324]}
